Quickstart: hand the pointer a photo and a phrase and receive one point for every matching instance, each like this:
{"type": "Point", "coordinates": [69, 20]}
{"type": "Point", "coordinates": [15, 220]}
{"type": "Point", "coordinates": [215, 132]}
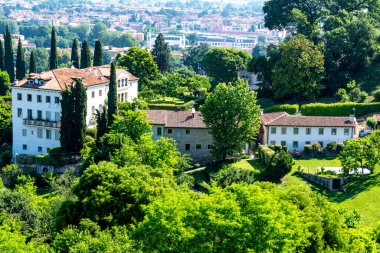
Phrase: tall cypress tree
{"type": "Point", "coordinates": [98, 53]}
{"type": "Point", "coordinates": [20, 62]}
{"type": "Point", "coordinates": [53, 50]}
{"type": "Point", "coordinates": [112, 95]}
{"type": "Point", "coordinates": [85, 57]}
{"type": "Point", "coordinates": [9, 65]}
{"type": "Point", "coordinates": [67, 105]}
{"type": "Point", "coordinates": [74, 54]}
{"type": "Point", "coordinates": [161, 53]}
{"type": "Point", "coordinates": [101, 123]}
{"type": "Point", "coordinates": [1, 55]}
{"type": "Point", "coordinates": [32, 63]}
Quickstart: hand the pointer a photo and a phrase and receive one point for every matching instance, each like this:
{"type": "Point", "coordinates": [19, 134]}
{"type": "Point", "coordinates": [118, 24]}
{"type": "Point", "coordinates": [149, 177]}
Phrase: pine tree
{"type": "Point", "coordinates": [53, 50]}
{"type": "Point", "coordinates": [112, 95]}
{"type": "Point", "coordinates": [8, 55]}
{"type": "Point", "coordinates": [98, 53]}
{"type": "Point", "coordinates": [161, 53]}
{"type": "Point", "coordinates": [74, 54]}
{"type": "Point", "coordinates": [32, 63]}
{"type": "Point", "coordinates": [20, 62]}
{"type": "Point", "coordinates": [1, 55]}
{"type": "Point", "coordinates": [85, 57]}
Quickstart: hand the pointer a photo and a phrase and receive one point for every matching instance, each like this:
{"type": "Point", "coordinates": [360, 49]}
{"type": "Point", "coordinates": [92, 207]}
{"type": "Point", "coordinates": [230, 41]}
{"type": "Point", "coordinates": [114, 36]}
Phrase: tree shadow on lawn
{"type": "Point", "coordinates": [358, 185]}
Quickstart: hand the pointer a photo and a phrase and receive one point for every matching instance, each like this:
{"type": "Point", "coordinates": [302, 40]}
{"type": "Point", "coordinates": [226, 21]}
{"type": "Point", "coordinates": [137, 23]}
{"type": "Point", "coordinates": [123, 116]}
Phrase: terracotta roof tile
{"type": "Point", "coordinates": [175, 119]}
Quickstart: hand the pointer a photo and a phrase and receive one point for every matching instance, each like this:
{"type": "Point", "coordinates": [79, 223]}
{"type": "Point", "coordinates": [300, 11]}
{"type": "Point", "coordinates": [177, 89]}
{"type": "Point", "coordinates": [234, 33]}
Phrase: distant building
{"type": "Point", "coordinates": [173, 40]}
{"type": "Point", "coordinates": [236, 42]}
{"type": "Point", "coordinates": [251, 78]}
{"type": "Point", "coordinates": [36, 108]}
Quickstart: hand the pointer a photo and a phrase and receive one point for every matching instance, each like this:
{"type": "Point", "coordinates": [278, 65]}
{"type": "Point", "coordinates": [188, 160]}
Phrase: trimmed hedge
{"type": "Point", "coordinates": [265, 155]}
{"type": "Point", "coordinates": [290, 109]}
{"type": "Point", "coordinates": [339, 109]}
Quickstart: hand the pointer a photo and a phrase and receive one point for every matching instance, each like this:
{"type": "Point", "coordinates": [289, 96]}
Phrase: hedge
{"type": "Point", "coordinates": [291, 109]}
{"type": "Point", "coordinates": [339, 109]}
{"type": "Point", "coordinates": [265, 155]}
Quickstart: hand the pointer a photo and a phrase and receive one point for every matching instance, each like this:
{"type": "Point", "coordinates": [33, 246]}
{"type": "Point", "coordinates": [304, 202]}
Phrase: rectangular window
{"type": "Point", "coordinates": [57, 135]}
{"type": "Point", "coordinates": [272, 142]}
{"type": "Point", "coordinates": [93, 94]}
{"type": "Point", "coordinates": [23, 132]}
{"type": "Point", "coordinates": [19, 96]}
{"type": "Point", "coordinates": [283, 143]}
{"type": "Point", "coordinates": [122, 97]}
{"type": "Point", "coordinates": [30, 114]}
{"type": "Point", "coordinates": [283, 130]}
{"type": "Point", "coordinates": [159, 131]}
{"type": "Point", "coordinates": [307, 142]}
{"type": "Point", "coordinates": [187, 131]}
{"type": "Point", "coordinates": [93, 109]}
{"type": "Point", "coordinates": [19, 112]}
{"type": "Point", "coordinates": [333, 131]}
{"type": "Point", "coordinates": [39, 149]}
{"type": "Point", "coordinates": [118, 97]}
{"type": "Point", "coordinates": [48, 134]}
{"type": "Point", "coordinates": [209, 146]}
{"type": "Point", "coordinates": [56, 100]}
{"type": "Point", "coordinates": [57, 116]}
{"type": "Point", "coordinates": [321, 143]}
{"type": "Point", "coordinates": [39, 133]}
{"type": "Point", "coordinates": [308, 131]}
{"type": "Point", "coordinates": [48, 115]}
{"type": "Point", "coordinates": [295, 130]}
{"type": "Point", "coordinates": [187, 147]}
{"type": "Point", "coordinates": [320, 131]}
{"type": "Point", "coordinates": [273, 130]}
{"type": "Point", "coordinates": [24, 147]}
{"type": "Point", "coordinates": [29, 98]}
{"type": "Point", "coordinates": [198, 146]}
{"type": "Point", "coordinates": [295, 144]}
{"type": "Point", "coordinates": [100, 93]}
{"type": "Point", "coordinates": [170, 131]}
{"type": "Point", "coordinates": [39, 114]}
{"type": "Point", "coordinates": [47, 99]}
{"type": "Point", "coordinates": [346, 131]}
{"type": "Point", "coordinates": [39, 99]}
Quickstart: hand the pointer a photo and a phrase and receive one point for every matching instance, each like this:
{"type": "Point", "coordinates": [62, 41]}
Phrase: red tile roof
{"type": "Point", "coordinates": [284, 119]}
{"type": "Point", "coordinates": [175, 119]}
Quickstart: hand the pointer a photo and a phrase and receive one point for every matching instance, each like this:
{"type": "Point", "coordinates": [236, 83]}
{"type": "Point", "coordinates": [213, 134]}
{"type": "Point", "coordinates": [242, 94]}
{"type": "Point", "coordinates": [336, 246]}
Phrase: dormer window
{"type": "Point", "coordinates": [30, 82]}
{"type": "Point", "coordinates": [42, 82]}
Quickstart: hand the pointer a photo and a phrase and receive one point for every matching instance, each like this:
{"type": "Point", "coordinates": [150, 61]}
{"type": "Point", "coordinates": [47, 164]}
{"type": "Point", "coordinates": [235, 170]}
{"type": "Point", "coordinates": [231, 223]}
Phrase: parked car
{"type": "Point", "coordinates": [364, 133]}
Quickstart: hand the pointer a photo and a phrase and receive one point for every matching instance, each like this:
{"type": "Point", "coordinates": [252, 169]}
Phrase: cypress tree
{"type": "Point", "coordinates": [20, 62]}
{"type": "Point", "coordinates": [67, 105]}
{"type": "Point", "coordinates": [101, 123]}
{"type": "Point", "coordinates": [53, 50]}
{"type": "Point", "coordinates": [85, 58]}
{"type": "Point", "coordinates": [74, 54]}
{"type": "Point", "coordinates": [98, 53]}
{"type": "Point", "coordinates": [8, 55]}
{"type": "Point", "coordinates": [1, 55]}
{"type": "Point", "coordinates": [112, 95]}
{"type": "Point", "coordinates": [32, 63]}
{"type": "Point", "coordinates": [161, 53]}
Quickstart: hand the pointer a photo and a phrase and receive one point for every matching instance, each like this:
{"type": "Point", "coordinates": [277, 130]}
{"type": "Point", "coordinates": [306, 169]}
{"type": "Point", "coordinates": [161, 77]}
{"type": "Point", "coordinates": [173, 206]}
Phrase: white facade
{"type": "Point", "coordinates": [237, 42]}
{"type": "Point", "coordinates": [173, 40]}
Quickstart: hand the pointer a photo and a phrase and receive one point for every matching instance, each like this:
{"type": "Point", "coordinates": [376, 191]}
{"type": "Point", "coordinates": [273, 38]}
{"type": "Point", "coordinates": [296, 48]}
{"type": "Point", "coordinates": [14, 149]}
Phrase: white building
{"type": "Point", "coordinates": [173, 40]}
{"type": "Point", "coordinates": [296, 131]}
{"type": "Point", "coordinates": [36, 108]}
{"type": "Point", "coordinates": [251, 78]}
{"type": "Point", "coordinates": [236, 42]}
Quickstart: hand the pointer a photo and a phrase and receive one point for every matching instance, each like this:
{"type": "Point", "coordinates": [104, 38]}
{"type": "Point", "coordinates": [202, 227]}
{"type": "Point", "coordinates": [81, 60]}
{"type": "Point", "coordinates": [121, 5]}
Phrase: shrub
{"type": "Point", "coordinates": [271, 147]}
{"type": "Point", "coordinates": [9, 175]}
{"type": "Point", "coordinates": [285, 148]}
{"type": "Point", "coordinates": [277, 148]}
{"type": "Point", "coordinates": [339, 109]}
{"type": "Point", "coordinates": [339, 147]}
{"type": "Point", "coordinates": [331, 146]}
{"type": "Point", "coordinates": [316, 148]}
{"type": "Point", "coordinates": [6, 157]}
{"type": "Point", "coordinates": [280, 165]}
{"type": "Point", "coordinates": [232, 174]}
{"type": "Point", "coordinates": [376, 95]}
{"type": "Point", "coordinates": [265, 155]}
{"type": "Point", "coordinates": [91, 132]}
{"type": "Point", "coordinates": [290, 109]}
{"type": "Point", "coordinates": [307, 149]}
{"type": "Point", "coordinates": [26, 159]}
{"type": "Point", "coordinates": [371, 122]}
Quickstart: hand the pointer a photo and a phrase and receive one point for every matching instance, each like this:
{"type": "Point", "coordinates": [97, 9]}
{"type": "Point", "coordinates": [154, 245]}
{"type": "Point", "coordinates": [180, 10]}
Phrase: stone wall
{"type": "Point", "coordinates": [326, 182]}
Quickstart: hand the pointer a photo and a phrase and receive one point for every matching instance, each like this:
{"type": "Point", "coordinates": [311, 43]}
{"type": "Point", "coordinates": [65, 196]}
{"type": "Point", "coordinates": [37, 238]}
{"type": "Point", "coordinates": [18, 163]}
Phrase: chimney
{"type": "Point", "coordinates": [352, 119]}
{"type": "Point", "coordinates": [193, 112]}
{"type": "Point", "coordinates": [261, 112]}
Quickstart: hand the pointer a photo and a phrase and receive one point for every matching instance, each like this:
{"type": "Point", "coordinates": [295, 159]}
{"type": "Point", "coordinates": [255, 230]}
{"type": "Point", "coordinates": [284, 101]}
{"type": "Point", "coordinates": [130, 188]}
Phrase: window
{"type": "Point", "coordinates": [159, 131]}
{"type": "Point", "coordinates": [333, 131]}
{"type": "Point", "coordinates": [23, 132]}
{"type": "Point", "coordinates": [57, 135]}
{"type": "Point", "coordinates": [29, 97]}
{"type": "Point", "coordinates": [307, 142]}
{"type": "Point", "coordinates": [39, 133]}
{"type": "Point", "coordinates": [47, 150]}
{"type": "Point", "coordinates": [100, 93]}
{"type": "Point", "coordinates": [187, 131]}
{"type": "Point", "coordinates": [19, 112]}
{"type": "Point", "coordinates": [93, 94]}
{"type": "Point", "coordinates": [56, 100]}
{"type": "Point", "coordinates": [48, 115]}
{"type": "Point", "coordinates": [39, 99]}
{"type": "Point", "coordinates": [118, 83]}
{"type": "Point", "coordinates": [48, 134]}
{"type": "Point", "coordinates": [346, 131]}
{"type": "Point", "coordinates": [47, 99]}
{"type": "Point", "coordinates": [273, 130]}
{"type": "Point", "coordinates": [57, 116]}
{"type": "Point", "coordinates": [170, 131]}
{"type": "Point", "coordinates": [295, 130]}
{"type": "Point", "coordinates": [295, 144]}
{"type": "Point", "coordinates": [122, 97]}
{"type": "Point", "coordinates": [19, 96]}
{"type": "Point", "coordinates": [209, 146]}
{"type": "Point", "coordinates": [187, 147]}
{"type": "Point", "coordinates": [320, 131]}
{"type": "Point", "coordinates": [283, 130]}
{"type": "Point", "coordinates": [93, 109]}
{"type": "Point", "coordinates": [308, 131]}
{"type": "Point", "coordinates": [24, 147]}
{"type": "Point", "coordinates": [39, 114]}
{"type": "Point", "coordinates": [39, 149]}
{"type": "Point", "coordinates": [198, 146]}
{"type": "Point", "coordinates": [321, 143]}
{"type": "Point", "coordinates": [30, 114]}
{"type": "Point", "coordinates": [272, 142]}
{"type": "Point", "coordinates": [118, 97]}
{"type": "Point", "coordinates": [283, 143]}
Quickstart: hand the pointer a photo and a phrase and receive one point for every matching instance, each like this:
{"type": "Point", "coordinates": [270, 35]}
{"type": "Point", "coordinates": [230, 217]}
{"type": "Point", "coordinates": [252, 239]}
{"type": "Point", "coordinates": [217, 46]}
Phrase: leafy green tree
{"type": "Point", "coordinates": [300, 70]}
{"type": "Point", "coordinates": [161, 53]}
{"type": "Point", "coordinates": [353, 93]}
{"type": "Point", "coordinates": [85, 56]}
{"type": "Point", "coordinates": [167, 85]}
{"type": "Point", "coordinates": [74, 54]}
{"type": "Point", "coordinates": [280, 165]}
{"type": "Point", "coordinates": [98, 53]}
{"type": "Point", "coordinates": [371, 122]}
{"type": "Point", "coordinates": [112, 96]}
{"type": "Point", "coordinates": [2, 56]}
{"type": "Point", "coordinates": [53, 50]}
{"type": "Point", "coordinates": [8, 54]}
{"type": "Point", "coordinates": [20, 62]}
{"type": "Point", "coordinates": [233, 174]}
{"type": "Point", "coordinates": [222, 64]}
{"type": "Point", "coordinates": [132, 124]}
{"type": "Point", "coordinates": [193, 56]}
{"type": "Point", "coordinates": [140, 63]}
{"type": "Point", "coordinates": [4, 83]}
{"type": "Point", "coordinates": [5, 116]}
{"type": "Point", "coordinates": [231, 113]}
{"type": "Point", "coordinates": [258, 50]}
{"type": "Point", "coordinates": [42, 59]}
{"type": "Point", "coordinates": [32, 63]}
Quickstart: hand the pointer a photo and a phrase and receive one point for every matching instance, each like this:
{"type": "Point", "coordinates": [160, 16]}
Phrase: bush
{"type": "Point", "coordinates": [290, 109]}
{"type": "Point", "coordinates": [231, 174]}
{"type": "Point", "coordinates": [265, 155]}
{"type": "Point", "coordinates": [316, 148]}
{"type": "Point", "coordinates": [277, 148]}
{"type": "Point", "coordinates": [339, 147]}
{"type": "Point", "coordinates": [376, 95]}
{"type": "Point", "coordinates": [280, 165]}
{"type": "Point", "coordinates": [371, 122]}
{"type": "Point", "coordinates": [91, 132]}
{"type": "Point", "coordinates": [331, 147]}
{"type": "Point", "coordinates": [6, 157]}
{"type": "Point", "coordinates": [307, 149]}
{"type": "Point", "coordinates": [285, 148]}
{"type": "Point", "coordinates": [9, 175]}
{"type": "Point", "coordinates": [339, 109]}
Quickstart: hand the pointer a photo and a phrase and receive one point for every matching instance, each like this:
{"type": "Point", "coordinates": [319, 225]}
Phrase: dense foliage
{"type": "Point", "coordinates": [290, 109]}
{"type": "Point", "coordinates": [339, 109]}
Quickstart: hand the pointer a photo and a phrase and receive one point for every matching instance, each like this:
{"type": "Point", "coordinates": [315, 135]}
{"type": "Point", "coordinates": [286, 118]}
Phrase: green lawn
{"type": "Point", "coordinates": [311, 165]}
